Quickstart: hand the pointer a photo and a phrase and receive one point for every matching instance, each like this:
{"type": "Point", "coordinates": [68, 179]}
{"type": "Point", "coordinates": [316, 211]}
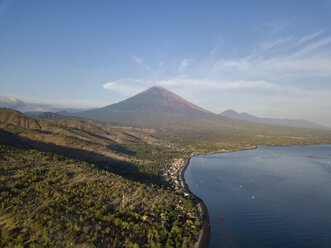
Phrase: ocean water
{"type": "Point", "coordinates": [267, 197]}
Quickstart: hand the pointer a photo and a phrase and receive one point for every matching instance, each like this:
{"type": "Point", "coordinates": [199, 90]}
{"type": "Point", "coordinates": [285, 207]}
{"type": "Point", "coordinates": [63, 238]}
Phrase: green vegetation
{"type": "Point", "coordinates": [49, 200]}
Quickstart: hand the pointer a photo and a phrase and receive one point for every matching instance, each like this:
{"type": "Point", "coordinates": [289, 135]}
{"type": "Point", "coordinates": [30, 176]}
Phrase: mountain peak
{"type": "Point", "coordinates": [154, 89]}
{"type": "Point", "coordinates": [159, 99]}
{"type": "Point", "coordinates": [157, 87]}
{"type": "Point", "coordinates": [229, 111]}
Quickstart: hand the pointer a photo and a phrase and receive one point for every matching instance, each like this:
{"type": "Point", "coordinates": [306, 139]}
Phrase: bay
{"type": "Point", "coordinates": [266, 197]}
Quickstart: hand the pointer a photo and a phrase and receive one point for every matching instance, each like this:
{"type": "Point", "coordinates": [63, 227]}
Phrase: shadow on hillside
{"type": "Point", "coordinates": [121, 149]}
{"type": "Point", "coordinates": [122, 168]}
{"type": "Point", "coordinates": [132, 136]}
{"type": "Point", "coordinates": [93, 134]}
{"type": "Point", "coordinates": [113, 147]}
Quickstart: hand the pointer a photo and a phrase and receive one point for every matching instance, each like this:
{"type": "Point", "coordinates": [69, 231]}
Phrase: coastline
{"type": "Point", "coordinates": [204, 235]}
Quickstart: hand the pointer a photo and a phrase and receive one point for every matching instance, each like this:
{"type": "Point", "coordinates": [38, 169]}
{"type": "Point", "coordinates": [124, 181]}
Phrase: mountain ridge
{"type": "Point", "coordinates": [301, 123]}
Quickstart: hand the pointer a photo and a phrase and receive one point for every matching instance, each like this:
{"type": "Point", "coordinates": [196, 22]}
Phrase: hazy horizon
{"type": "Point", "coordinates": [266, 59]}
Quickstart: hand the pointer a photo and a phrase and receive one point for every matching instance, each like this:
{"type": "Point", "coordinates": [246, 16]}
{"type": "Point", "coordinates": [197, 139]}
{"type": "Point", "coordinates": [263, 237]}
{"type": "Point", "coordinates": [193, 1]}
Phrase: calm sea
{"type": "Point", "coordinates": [267, 197]}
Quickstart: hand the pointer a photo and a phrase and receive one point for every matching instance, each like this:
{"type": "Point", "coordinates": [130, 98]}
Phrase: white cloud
{"type": "Point", "coordinates": [265, 46]}
{"type": "Point", "coordinates": [313, 46]}
{"type": "Point", "coordinates": [140, 61]}
{"type": "Point", "coordinates": [183, 65]}
{"type": "Point", "coordinates": [127, 86]}
{"type": "Point", "coordinates": [282, 60]}
{"type": "Point", "coordinates": [203, 84]}
{"type": "Point", "coordinates": [136, 59]}
{"type": "Point", "coordinates": [310, 37]}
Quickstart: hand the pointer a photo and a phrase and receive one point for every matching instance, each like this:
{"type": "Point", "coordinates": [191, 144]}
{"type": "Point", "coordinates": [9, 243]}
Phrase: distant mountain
{"type": "Point", "coordinates": [155, 106]}
{"type": "Point", "coordinates": [283, 122]}
{"type": "Point", "coordinates": [33, 113]}
{"type": "Point", "coordinates": [55, 116]}
{"type": "Point", "coordinates": [241, 116]}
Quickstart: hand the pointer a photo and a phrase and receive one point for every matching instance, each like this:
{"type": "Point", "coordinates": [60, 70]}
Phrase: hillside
{"type": "Point", "coordinates": [49, 200]}
{"type": "Point", "coordinates": [82, 184]}
{"type": "Point", "coordinates": [18, 119]}
{"type": "Point", "coordinates": [282, 122]}
{"type": "Point", "coordinates": [79, 139]}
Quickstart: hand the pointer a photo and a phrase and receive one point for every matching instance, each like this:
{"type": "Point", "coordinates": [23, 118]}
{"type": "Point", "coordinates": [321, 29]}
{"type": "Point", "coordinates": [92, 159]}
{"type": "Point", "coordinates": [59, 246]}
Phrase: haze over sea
{"type": "Point", "coordinates": [267, 197]}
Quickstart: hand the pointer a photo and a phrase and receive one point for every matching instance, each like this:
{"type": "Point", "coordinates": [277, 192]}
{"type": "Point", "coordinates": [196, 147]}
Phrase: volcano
{"type": "Point", "coordinates": [153, 107]}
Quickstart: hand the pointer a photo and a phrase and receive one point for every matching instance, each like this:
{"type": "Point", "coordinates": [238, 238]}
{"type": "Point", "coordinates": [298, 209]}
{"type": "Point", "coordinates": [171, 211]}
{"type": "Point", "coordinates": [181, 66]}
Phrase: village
{"type": "Point", "coordinates": [174, 175]}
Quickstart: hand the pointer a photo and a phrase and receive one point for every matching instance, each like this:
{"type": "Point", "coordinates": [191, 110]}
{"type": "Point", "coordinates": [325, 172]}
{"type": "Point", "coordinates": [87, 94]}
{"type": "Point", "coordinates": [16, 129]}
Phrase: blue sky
{"type": "Point", "coordinates": [268, 58]}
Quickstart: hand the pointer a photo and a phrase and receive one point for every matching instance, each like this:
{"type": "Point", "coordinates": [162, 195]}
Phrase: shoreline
{"type": "Point", "coordinates": [204, 235]}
